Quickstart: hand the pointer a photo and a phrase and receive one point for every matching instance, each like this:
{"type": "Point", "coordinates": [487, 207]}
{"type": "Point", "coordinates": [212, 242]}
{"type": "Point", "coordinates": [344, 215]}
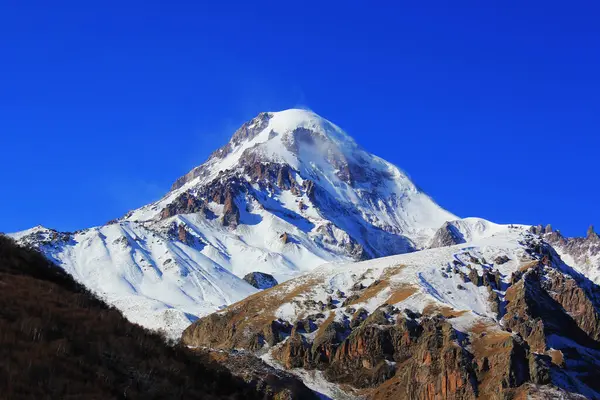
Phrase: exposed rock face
{"type": "Point", "coordinates": [475, 278]}
{"type": "Point", "coordinates": [182, 234]}
{"type": "Point", "coordinates": [408, 358]}
{"type": "Point", "coordinates": [502, 362]}
{"type": "Point", "coordinates": [258, 178]}
{"type": "Point", "coordinates": [45, 236]}
{"type": "Point", "coordinates": [284, 238]}
{"type": "Point", "coordinates": [220, 332]}
{"type": "Point", "coordinates": [537, 229]}
{"type": "Point", "coordinates": [309, 186]}
{"type": "Point", "coordinates": [231, 212]}
{"type": "Point", "coordinates": [186, 203]}
{"type": "Point", "coordinates": [501, 259]}
{"type": "Point", "coordinates": [432, 362]}
{"type": "Point", "coordinates": [578, 298]}
{"type": "Point", "coordinates": [591, 233]}
{"type": "Point", "coordinates": [328, 235]}
{"type": "Point", "coordinates": [260, 280]}
{"type": "Point", "coordinates": [549, 302]}
{"type": "Point", "coordinates": [447, 235]}
{"type": "Point", "coordinates": [285, 178]}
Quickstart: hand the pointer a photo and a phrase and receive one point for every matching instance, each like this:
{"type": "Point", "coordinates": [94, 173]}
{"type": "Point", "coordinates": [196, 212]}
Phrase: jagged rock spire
{"type": "Point", "coordinates": [591, 233]}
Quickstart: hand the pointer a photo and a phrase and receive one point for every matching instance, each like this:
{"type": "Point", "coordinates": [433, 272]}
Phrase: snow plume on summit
{"type": "Point", "coordinates": [289, 192]}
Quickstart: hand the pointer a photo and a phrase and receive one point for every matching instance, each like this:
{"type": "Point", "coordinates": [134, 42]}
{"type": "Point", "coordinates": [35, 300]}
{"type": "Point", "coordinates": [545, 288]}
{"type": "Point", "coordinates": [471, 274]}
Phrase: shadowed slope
{"type": "Point", "coordinates": [59, 341]}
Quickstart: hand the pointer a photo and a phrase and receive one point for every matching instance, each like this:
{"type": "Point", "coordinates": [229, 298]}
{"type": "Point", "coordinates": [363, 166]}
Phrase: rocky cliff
{"type": "Point", "coordinates": [495, 319]}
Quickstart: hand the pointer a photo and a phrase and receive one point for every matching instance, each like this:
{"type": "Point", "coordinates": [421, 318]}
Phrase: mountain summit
{"type": "Point", "coordinates": [451, 308]}
{"type": "Point", "coordinates": [323, 168]}
{"type": "Point", "coordinates": [289, 192]}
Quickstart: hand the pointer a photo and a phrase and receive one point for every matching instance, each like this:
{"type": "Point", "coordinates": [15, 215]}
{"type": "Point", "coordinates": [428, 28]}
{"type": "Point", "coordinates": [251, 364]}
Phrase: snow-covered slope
{"type": "Point", "coordinates": [289, 192]}
{"type": "Point", "coordinates": [158, 282]}
{"type": "Point", "coordinates": [352, 184]}
{"type": "Point", "coordinates": [432, 279]}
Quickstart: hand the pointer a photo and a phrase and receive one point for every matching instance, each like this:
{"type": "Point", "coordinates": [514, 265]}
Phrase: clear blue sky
{"type": "Point", "coordinates": [493, 108]}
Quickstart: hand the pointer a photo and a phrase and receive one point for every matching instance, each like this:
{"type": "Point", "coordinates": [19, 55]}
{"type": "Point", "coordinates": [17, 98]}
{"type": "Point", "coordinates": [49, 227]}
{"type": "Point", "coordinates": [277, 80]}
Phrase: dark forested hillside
{"type": "Point", "coordinates": [58, 341]}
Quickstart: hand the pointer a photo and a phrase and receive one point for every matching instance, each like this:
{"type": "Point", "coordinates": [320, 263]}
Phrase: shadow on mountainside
{"type": "Point", "coordinates": [57, 340]}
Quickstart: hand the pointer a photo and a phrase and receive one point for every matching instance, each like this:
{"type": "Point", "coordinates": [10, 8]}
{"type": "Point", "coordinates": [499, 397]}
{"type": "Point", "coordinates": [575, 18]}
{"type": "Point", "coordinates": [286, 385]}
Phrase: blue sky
{"type": "Point", "coordinates": [493, 108]}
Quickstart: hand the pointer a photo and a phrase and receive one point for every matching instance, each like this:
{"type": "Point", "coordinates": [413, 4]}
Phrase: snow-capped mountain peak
{"type": "Point", "coordinates": [289, 192]}
{"type": "Point", "coordinates": [299, 149]}
{"type": "Point", "coordinates": [293, 137]}
{"type": "Point", "coordinates": [285, 131]}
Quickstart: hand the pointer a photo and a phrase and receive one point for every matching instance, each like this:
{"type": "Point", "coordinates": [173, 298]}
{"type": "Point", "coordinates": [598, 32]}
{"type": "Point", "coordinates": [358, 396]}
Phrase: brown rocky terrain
{"type": "Point", "coordinates": [544, 341]}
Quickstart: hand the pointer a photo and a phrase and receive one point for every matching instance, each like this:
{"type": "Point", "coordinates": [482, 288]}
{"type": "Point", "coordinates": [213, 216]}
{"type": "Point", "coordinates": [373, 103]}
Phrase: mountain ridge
{"type": "Point", "coordinates": [290, 191]}
{"type": "Point", "coordinates": [367, 270]}
{"type": "Point", "coordinates": [496, 317]}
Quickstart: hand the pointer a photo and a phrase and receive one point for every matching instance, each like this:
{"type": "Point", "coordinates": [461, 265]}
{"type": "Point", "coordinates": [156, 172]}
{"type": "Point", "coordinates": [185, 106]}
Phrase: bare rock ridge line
{"type": "Point", "coordinates": [582, 252]}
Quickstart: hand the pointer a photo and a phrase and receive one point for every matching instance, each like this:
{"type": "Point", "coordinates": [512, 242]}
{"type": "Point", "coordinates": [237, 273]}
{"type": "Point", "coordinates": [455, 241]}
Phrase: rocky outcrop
{"type": "Point", "coordinates": [556, 311]}
{"type": "Point", "coordinates": [309, 187]}
{"type": "Point", "coordinates": [183, 235]}
{"type": "Point", "coordinates": [413, 359]}
{"type": "Point", "coordinates": [578, 299]}
{"type": "Point", "coordinates": [185, 203]}
{"type": "Point", "coordinates": [503, 259]}
{"type": "Point", "coordinates": [475, 277]}
{"type": "Point", "coordinates": [591, 234]}
{"type": "Point", "coordinates": [432, 361]}
{"type": "Point", "coordinates": [447, 235]}
{"type": "Point", "coordinates": [284, 238]}
{"type": "Point", "coordinates": [389, 353]}
{"type": "Point", "coordinates": [530, 311]}
{"type": "Point", "coordinates": [537, 229]}
{"type": "Point", "coordinates": [260, 280]}
{"type": "Point", "coordinates": [250, 324]}
{"type": "Point", "coordinates": [331, 235]}
{"type": "Point", "coordinates": [231, 212]}
{"type": "Point", "coordinates": [285, 177]}
{"type": "Point", "coordinates": [501, 361]}
{"type": "Point", "coordinates": [270, 174]}
{"type": "Point", "coordinates": [247, 131]}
